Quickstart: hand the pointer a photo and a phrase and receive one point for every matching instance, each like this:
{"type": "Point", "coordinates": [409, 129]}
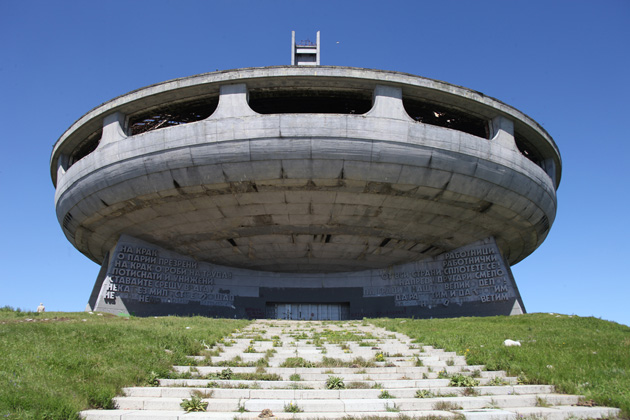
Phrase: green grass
{"type": "Point", "coordinates": [586, 356]}
{"type": "Point", "coordinates": [294, 362]}
{"type": "Point", "coordinates": [339, 337]}
{"type": "Point", "coordinates": [54, 369]}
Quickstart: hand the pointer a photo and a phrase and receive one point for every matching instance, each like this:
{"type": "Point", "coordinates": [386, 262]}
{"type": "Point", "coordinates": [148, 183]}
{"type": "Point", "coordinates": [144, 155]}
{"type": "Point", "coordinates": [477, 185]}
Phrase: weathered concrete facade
{"type": "Point", "coordinates": [141, 278]}
{"type": "Point", "coordinates": [306, 170]}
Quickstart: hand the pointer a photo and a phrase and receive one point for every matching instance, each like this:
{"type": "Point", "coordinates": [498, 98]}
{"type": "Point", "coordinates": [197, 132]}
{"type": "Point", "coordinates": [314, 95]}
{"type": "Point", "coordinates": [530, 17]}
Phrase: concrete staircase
{"type": "Point", "coordinates": [284, 368]}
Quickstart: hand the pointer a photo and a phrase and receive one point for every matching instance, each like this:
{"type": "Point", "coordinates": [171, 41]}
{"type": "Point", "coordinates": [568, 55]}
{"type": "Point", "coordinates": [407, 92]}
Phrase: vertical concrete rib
{"type": "Point", "coordinates": [503, 132]}
{"type": "Point", "coordinates": [233, 102]}
{"type": "Point", "coordinates": [113, 128]}
{"type": "Point", "coordinates": [387, 103]}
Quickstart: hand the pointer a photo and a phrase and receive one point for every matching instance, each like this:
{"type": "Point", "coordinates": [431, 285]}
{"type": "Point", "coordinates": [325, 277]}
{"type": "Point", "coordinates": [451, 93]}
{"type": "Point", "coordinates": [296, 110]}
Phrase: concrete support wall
{"type": "Point", "coordinates": [143, 279]}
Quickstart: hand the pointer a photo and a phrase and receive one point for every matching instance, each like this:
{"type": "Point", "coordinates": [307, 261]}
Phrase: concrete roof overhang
{"type": "Point", "coordinates": [321, 77]}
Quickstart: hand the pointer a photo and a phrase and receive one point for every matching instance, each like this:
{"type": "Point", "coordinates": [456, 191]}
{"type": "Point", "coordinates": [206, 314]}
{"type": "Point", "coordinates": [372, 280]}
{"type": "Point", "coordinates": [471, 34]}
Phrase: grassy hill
{"type": "Point", "coordinates": [53, 365]}
{"type": "Point", "coordinates": [59, 363]}
{"type": "Point", "coordinates": [585, 356]}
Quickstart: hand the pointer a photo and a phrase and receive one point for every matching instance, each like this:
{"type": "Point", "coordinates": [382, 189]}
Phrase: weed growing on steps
{"type": "Point", "coordinates": [193, 404]}
{"type": "Point", "coordinates": [226, 374]}
{"type": "Point", "coordinates": [497, 381]}
{"type": "Point", "coordinates": [522, 379]}
{"type": "Point", "coordinates": [358, 385]}
{"type": "Point", "coordinates": [241, 407]}
{"type": "Point", "coordinates": [335, 382]}
{"type": "Point", "coordinates": [385, 394]}
{"type": "Point", "coordinates": [462, 380]}
{"type": "Point", "coordinates": [392, 408]}
{"type": "Point", "coordinates": [446, 406]}
{"type": "Point", "coordinates": [295, 377]}
{"type": "Point", "coordinates": [493, 404]}
{"type": "Point", "coordinates": [424, 393]}
{"type": "Point", "coordinates": [294, 362]}
{"type": "Point", "coordinates": [296, 385]}
{"type": "Point", "coordinates": [202, 393]}
{"type": "Point", "coordinates": [153, 379]}
{"type": "Point", "coordinates": [228, 385]}
{"type": "Point", "coordinates": [244, 376]}
{"type": "Point", "coordinates": [471, 392]}
{"type": "Point", "coordinates": [292, 408]}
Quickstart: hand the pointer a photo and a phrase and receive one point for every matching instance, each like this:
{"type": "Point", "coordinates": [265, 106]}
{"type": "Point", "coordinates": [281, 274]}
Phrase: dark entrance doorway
{"type": "Point", "coordinates": [309, 311]}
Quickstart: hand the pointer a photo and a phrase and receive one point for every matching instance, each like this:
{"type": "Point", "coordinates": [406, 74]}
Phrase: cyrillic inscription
{"type": "Point", "coordinates": [477, 274]}
{"type": "Point", "coordinates": [141, 274]}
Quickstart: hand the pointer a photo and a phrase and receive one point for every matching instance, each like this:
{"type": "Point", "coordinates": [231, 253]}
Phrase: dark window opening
{"type": "Point", "coordinates": [171, 115]}
{"type": "Point", "coordinates": [527, 150]}
{"type": "Point", "coordinates": [309, 101]}
{"type": "Point", "coordinates": [432, 114]}
{"type": "Point", "coordinates": [66, 220]}
{"type": "Point", "coordinates": [85, 148]}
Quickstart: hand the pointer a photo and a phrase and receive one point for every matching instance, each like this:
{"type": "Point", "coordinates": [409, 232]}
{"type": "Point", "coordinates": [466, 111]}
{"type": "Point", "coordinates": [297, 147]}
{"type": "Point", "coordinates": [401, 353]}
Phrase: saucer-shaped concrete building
{"type": "Point", "coordinates": [304, 189]}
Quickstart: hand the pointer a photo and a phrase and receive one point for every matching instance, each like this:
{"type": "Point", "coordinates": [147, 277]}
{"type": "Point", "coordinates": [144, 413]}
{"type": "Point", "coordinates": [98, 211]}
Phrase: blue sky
{"type": "Point", "coordinates": [564, 63]}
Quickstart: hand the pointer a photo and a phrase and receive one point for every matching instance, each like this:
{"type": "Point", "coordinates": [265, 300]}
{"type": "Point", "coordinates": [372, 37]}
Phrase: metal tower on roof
{"type": "Point", "coordinates": [304, 53]}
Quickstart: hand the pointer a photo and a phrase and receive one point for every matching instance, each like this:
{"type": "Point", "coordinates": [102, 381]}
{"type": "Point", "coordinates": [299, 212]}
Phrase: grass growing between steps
{"type": "Point", "coordinates": [52, 369]}
{"type": "Point", "coordinates": [585, 356]}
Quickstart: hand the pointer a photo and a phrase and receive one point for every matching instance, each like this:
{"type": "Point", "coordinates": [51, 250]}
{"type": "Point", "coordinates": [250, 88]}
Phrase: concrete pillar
{"type": "Point", "coordinates": [293, 48]}
{"type": "Point", "coordinates": [319, 50]}
{"type": "Point", "coordinates": [549, 165]}
{"type": "Point", "coordinates": [62, 165]}
{"type": "Point", "coordinates": [113, 128]}
{"type": "Point", "coordinates": [387, 103]}
{"type": "Point", "coordinates": [503, 132]}
{"type": "Point", "coordinates": [233, 102]}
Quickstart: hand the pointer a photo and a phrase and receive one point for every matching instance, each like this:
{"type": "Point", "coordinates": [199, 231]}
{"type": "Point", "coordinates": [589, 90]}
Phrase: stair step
{"type": "Point", "coordinates": [409, 392]}
{"type": "Point", "coordinates": [180, 415]}
{"type": "Point", "coordinates": [358, 403]}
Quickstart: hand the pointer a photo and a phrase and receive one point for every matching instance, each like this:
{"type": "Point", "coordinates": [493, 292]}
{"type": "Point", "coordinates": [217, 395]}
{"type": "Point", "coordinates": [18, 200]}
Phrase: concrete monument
{"type": "Point", "coordinates": [306, 192]}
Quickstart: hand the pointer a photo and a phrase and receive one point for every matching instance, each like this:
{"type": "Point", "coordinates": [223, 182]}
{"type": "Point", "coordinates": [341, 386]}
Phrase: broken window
{"type": "Point", "coordinates": [86, 147]}
{"type": "Point", "coordinates": [170, 115]}
{"type": "Point", "coordinates": [428, 113]}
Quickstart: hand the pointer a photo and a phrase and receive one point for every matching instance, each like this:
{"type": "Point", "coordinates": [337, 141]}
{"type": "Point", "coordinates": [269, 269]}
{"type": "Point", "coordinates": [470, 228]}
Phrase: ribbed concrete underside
{"type": "Point", "coordinates": [315, 228]}
{"type": "Point", "coordinates": [270, 208]}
